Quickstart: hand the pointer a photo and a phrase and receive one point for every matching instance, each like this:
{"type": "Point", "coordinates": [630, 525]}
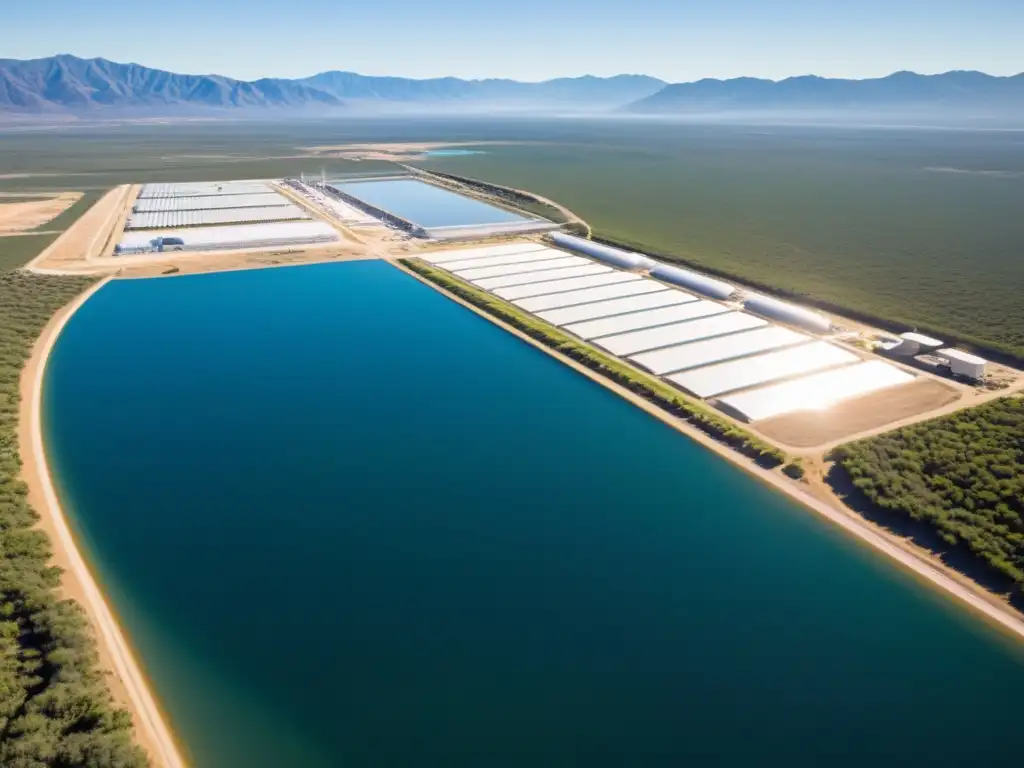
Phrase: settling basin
{"type": "Point", "coordinates": [348, 522]}
{"type": "Point", "coordinates": [429, 206]}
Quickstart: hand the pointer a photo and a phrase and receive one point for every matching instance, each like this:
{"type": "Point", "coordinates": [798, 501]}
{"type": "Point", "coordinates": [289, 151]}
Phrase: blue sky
{"type": "Point", "coordinates": [677, 40]}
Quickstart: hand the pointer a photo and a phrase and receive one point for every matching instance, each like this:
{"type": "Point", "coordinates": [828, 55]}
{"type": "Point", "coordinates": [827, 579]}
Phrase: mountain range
{"type": "Point", "coordinates": [68, 84]}
{"type": "Point", "coordinates": [901, 92]}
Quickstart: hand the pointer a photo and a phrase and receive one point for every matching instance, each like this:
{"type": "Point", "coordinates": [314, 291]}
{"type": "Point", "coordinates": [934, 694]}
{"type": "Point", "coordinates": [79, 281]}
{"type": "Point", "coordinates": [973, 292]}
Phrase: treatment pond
{"type": "Point", "coordinates": [429, 206]}
{"type": "Point", "coordinates": [348, 522]}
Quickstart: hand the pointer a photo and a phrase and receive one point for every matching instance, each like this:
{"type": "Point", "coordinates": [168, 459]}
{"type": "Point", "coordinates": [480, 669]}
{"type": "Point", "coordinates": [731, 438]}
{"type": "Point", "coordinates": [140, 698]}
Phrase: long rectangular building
{"type": "Point", "coordinates": [202, 188]}
{"type": "Point", "coordinates": [161, 219]}
{"type": "Point", "coordinates": [815, 392]}
{"type": "Point", "coordinates": [760, 369]}
{"type": "Point", "coordinates": [615, 307]}
{"type": "Point", "coordinates": [568, 285]}
{"type": "Point", "coordinates": [486, 251]}
{"type": "Point", "coordinates": [670, 335]}
{"type": "Point", "coordinates": [480, 273]}
{"type": "Point", "coordinates": [570, 298]}
{"type": "Point", "coordinates": [210, 202]}
{"type": "Point", "coordinates": [717, 350]}
{"type": "Point", "coordinates": [594, 329]}
{"type": "Point", "coordinates": [499, 261]}
{"type": "Point", "coordinates": [242, 236]}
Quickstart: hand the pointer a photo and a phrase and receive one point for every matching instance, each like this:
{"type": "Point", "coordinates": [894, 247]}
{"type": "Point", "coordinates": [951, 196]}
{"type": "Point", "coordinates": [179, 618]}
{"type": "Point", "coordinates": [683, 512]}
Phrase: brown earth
{"type": "Point", "coordinates": [811, 429]}
{"type": "Point", "coordinates": [89, 237]}
{"type": "Point", "coordinates": [16, 218]}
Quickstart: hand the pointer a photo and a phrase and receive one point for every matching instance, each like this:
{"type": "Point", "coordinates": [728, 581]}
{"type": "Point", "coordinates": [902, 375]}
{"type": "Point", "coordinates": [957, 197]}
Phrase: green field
{"type": "Point", "coordinates": [918, 227]}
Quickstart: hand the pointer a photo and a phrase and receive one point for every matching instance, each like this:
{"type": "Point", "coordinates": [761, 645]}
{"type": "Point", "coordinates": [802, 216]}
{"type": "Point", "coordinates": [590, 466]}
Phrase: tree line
{"type": "Point", "coordinates": [55, 705]}
{"type": "Point", "coordinates": [962, 475]}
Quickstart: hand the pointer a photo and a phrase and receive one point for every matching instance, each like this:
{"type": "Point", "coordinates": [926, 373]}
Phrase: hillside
{"type": "Point", "coordinates": [608, 92]}
{"type": "Point", "coordinates": [69, 84]}
{"type": "Point", "coordinates": [973, 93]}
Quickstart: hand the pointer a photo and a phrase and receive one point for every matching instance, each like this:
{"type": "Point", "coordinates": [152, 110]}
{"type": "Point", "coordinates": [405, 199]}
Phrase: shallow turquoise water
{"type": "Point", "coordinates": [427, 205]}
{"type": "Point", "coordinates": [350, 523]}
{"type": "Point", "coordinates": [454, 152]}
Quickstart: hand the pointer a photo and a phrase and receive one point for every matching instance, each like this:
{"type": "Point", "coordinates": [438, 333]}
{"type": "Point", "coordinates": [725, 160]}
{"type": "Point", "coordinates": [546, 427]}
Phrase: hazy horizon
{"type": "Point", "coordinates": [532, 42]}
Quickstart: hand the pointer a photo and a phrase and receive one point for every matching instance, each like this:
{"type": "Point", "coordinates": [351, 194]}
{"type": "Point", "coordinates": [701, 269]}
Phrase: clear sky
{"type": "Point", "coordinates": [677, 40]}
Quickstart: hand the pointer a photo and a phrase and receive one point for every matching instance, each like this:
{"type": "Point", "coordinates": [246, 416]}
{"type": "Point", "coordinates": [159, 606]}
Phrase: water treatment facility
{"type": "Point", "coordinates": [795, 376]}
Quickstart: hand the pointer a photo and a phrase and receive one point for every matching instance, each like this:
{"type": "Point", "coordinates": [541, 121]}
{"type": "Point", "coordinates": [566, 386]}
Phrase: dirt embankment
{"type": "Point", "coordinates": [89, 237]}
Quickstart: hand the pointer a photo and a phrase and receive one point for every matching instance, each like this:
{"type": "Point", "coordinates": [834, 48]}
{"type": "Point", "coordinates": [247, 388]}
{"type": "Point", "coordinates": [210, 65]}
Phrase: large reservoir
{"type": "Point", "coordinates": [348, 522]}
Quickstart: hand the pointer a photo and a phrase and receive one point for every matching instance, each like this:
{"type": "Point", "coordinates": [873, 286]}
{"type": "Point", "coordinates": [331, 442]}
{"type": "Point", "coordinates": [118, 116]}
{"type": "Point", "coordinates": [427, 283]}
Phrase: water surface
{"type": "Point", "coordinates": [427, 205]}
{"type": "Point", "coordinates": [347, 522]}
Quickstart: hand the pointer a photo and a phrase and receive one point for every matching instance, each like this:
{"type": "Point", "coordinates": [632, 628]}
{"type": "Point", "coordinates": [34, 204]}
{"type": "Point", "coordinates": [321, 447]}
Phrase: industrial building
{"type": "Point", "coordinates": [964, 363]}
{"type": "Point", "coordinates": [614, 256]}
{"type": "Point", "coordinates": [571, 279]}
{"type": "Point", "coordinates": [208, 217]}
{"type": "Point", "coordinates": [787, 313]}
{"type": "Point", "coordinates": [753, 364]}
{"type": "Point", "coordinates": [277, 234]}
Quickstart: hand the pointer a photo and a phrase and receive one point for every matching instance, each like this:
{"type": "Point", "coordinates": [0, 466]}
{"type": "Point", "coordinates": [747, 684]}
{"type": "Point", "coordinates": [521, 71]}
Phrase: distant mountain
{"type": "Point", "coordinates": [69, 84]}
{"type": "Point", "coordinates": [902, 92]}
{"type": "Point", "coordinates": [591, 91]}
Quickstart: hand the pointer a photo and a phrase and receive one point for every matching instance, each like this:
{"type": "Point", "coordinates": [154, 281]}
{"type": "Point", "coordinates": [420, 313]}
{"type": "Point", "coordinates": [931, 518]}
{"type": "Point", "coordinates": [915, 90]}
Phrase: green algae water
{"type": "Point", "coordinates": [347, 522]}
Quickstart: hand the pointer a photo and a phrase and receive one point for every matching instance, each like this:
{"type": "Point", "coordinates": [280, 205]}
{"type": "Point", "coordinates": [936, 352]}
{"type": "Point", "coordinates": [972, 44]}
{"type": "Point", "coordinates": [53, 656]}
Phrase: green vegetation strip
{"type": "Point", "coordinates": [74, 212]}
{"type": "Point", "coordinates": [647, 387]}
{"type": "Point", "coordinates": [961, 476]}
{"type": "Point", "coordinates": [55, 707]}
{"type": "Point", "coordinates": [17, 250]}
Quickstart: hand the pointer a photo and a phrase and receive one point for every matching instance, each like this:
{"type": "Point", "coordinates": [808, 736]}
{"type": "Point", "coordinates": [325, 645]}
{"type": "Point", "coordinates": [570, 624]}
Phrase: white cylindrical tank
{"type": "Point", "coordinates": [788, 313]}
{"type": "Point", "coordinates": [692, 281]}
{"type": "Point", "coordinates": [613, 256]}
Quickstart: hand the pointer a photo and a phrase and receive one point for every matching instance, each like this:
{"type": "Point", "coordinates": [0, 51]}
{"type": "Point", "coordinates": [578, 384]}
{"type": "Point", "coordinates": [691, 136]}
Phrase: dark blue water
{"type": "Point", "coordinates": [347, 522]}
{"type": "Point", "coordinates": [427, 205]}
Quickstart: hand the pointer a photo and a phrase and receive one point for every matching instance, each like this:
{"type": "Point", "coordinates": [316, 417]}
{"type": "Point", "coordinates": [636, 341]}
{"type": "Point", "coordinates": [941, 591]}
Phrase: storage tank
{"type": "Point", "coordinates": [613, 256]}
{"type": "Point", "coordinates": [684, 278]}
{"type": "Point", "coordinates": [788, 313]}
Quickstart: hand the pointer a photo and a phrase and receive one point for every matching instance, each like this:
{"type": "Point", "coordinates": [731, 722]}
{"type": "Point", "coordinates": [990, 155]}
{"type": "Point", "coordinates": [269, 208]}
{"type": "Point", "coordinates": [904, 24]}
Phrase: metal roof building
{"type": "Point", "coordinates": [964, 363]}
{"type": "Point", "coordinates": [613, 256]}
{"type": "Point", "coordinates": [615, 307]}
{"type": "Point", "coordinates": [546, 277]}
{"type": "Point", "coordinates": [570, 298]}
{"type": "Point", "coordinates": [634, 321]}
{"type": "Point", "coordinates": [717, 350]}
{"type": "Point", "coordinates": [477, 273]}
{"type": "Point", "coordinates": [784, 312]}
{"type": "Point", "coordinates": [458, 254]}
{"type": "Point", "coordinates": [761, 369]}
{"type": "Point", "coordinates": [161, 219]}
{"type": "Point", "coordinates": [210, 202]}
{"type": "Point", "coordinates": [706, 286]}
{"type": "Point", "coordinates": [815, 392]}
{"type": "Point", "coordinates": [680, 333]}
{"type": "Point", "coordinates": [232, 237]}
{"type": "Point", "coordinates": [569, 285]}
{"type": "Point", "coordinates": [499, 261]}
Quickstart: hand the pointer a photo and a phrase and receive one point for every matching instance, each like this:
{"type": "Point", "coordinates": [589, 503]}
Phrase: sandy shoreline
{"type": "Point", "coordinates": [936, 575]}
{"type": "Point", "coordinates": [127, 682]}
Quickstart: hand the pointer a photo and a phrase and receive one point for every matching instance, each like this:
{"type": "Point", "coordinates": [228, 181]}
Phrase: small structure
{"type": "Point", "coordinates": [913, 343]}
{"type": "Point", "coordinates": [964, 363]}
{"type": "Point", "coordinates": [787, 313]}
